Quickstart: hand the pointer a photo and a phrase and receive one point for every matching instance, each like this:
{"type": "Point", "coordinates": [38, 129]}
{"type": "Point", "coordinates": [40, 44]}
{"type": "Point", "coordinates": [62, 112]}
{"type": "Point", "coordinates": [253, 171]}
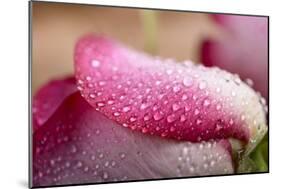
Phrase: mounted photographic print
{"type": "Point", "coordinates": [122, 94]}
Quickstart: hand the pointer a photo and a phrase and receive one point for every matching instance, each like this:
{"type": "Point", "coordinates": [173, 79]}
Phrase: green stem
{"type": "Point", "coordinates": [149, 22]}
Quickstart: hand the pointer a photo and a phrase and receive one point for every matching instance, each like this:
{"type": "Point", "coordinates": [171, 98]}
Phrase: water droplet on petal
{"type": "Point", "coordinates": [242, 117]}
{"type": "Point", "coordinates": [206, 103]}
{"type": "Point", "coordinates": [122, 155]}
{"type": "Point", "coordinates": [144, 130]}
{"type": "Point", "coordinates": [187, 81]}
{"type": "Point", "coordinates": [171, 118]}
{"type": "Point", "coordinates": [169, 72]}
{"type": "Point", "coordinates": [157, 116]}
{"type": "Point", "coordinates": [126, 109]}
{"type": "Point", "coordinates": [105, 175]}
{"type": "Point", "coordinates": [231, 122]}
{"type": "Point", "coordinates": [218, 107]}
{"type": "Point", "coordinates": [133, 119]}
{"type": "Point", "coordinates": [102, 83]}
{"type": "Point", "coordinates": [116, 114]}
{"type": "Point", "coordinates": [198, 121]}
{"type": "Point", "coordinates": [202, 84]}
{"type": "Point", "coordinates": [92, 96]}
{"type": "Point", "coordinates": [175, 107]}
{"type": "Point", "coordinates": [143, 106]}
{"type": "Point", "coordinates": [184, 97]}
{"type": "Point", "coordinates": [182, 118]}
{"type": "Point", "coordinates": [176, 89]}
{"type": "Point", "coordinates": [100, 104]}
{"type": "Point", "coordinates": [196, 112]}
{"type": "Point", "coordinates": [95, 63]}
{"type": "Point", "coordinates": [88, 78]}
{"type": "Point", "coordinates": [110, 102]}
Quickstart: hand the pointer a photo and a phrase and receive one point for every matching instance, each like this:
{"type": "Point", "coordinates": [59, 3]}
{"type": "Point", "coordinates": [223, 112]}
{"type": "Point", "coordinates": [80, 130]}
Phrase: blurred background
{"type": "Point", "coordinates": [57, 27]}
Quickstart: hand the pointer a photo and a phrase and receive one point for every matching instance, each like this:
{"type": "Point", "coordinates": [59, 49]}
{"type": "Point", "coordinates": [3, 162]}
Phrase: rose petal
{"type": "Point", "coordinates": [48, 98]}
{"type": "Point", "coordinates": [79, 145]}
{"type": "Point", "coordinates": [160, 97]}
{"type": "Point", "coordinates": [244, 50]}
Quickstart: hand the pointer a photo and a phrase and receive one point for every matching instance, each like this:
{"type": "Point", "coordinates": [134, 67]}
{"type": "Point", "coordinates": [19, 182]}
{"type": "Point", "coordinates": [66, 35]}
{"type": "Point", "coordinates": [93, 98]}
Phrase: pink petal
{"type": "Point", "coordinates": [244, 50]}
{"type": "Point", "coordinates": [79, 145]}
{"type": "Point", "coordinates": [48, 99]}
{"type": "Point", "coordinates": [163, 98]}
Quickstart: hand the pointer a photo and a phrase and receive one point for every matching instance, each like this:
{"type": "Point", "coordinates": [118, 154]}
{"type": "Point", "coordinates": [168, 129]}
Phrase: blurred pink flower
{"type": "Point", "coordinates": [244, 49]}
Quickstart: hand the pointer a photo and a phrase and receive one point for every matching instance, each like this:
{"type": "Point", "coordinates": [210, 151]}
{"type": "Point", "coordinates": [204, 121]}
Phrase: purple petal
{"type": "Point", "coordinates": [80, 145]}
{"type": "Point", "coordinates": [48, 98]}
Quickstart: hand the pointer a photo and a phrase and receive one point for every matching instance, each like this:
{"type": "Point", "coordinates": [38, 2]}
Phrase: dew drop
{"type": "Point", "coordinates": [101, 155]}
{"type": "Point", "coordinates": [171, 118]}
{"type": "Point", "coordinates": [126, 109]}
{"type": "Point", "coordinates": [218, 90]}
{"type": "Point", "coordinates": [146, 117]}
{"type": "Point", "coordinates": [67, 164]}
{"type": "Point", "coordinates": [184, 97]}
{"type": "Point", "coordinates": [218, 107]}
{"type": "Point", "coordinates": [206, 103]}
{"type": "Point", "coordinates": [73, 149]}
{"type": "Point", "coordinates": [95, 63]}
{"type": "Point", "coordinates": [237, 80]}
{"type": "Point", "coordinates": [93, 157]}
{"type": "Point", "coordinates": [133, 119]}
{"type": "Point", "coordinates": [158, 82]}
{"type": "Point", "coordinates": [106, 164]}
{"type": "Point", "coordinates": [116, 114]}
{"type": "Point", "coordinates": [182, 118]}
{"type": "Point", "coordinates": [175, 107]}
{"type": "Point", "coordinates": [110, 102]}
{"type": "Point", "coordinates": [202, 85]}
{"type": "Point", "coordinates": [198, 121]}
{"type": "Point", "coordinates": [144, 130]}
{"type": "Point", "coordinates": [92, 96]}
{"type": "Point", "coordinates": [169, 72]}
{"type": "Point", "coordinates": [231, 122]}
{"type": "Point", "coordinates": [157, 116]}
{"type": "Point", "coordinates": [125, 125]}
{"type": "Point", "coordinates": [196, 112]}
{"type": "Point", "coordinates": [187, 81]}
{"type": "Point", "coordinates": [176, 89]}
{"type": "Point", "coordinates": [80, 81]}
{"type": "Point", "coordinates": [102, 83]}
{"type": "Point", "coordinates": [86, 169]}
{"type": "Point", "coordinates": [191, 169]}
{"type": "Point", "coordinates": [105, 175]}
{"type": "Point", "coordinates": [100, 104]}
{"type": "Point", "coordinates": [143, 106]}
{"type": "Point", "coordinates": [88, 78]}
{"type": "Point", "coordinates": [249, 82]}
{"type": "Point", "coordinates": [122, 155]}
{"type": "Point", "coordinates": [113, 163]}
{"type": "Point", "coordinates": [79, 164]}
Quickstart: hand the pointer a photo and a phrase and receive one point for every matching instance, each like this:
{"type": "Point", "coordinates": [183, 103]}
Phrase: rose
{"type": "Point", "coordinates": [137, 117]}
{"type": "Point", "coordinates": [243, 49]}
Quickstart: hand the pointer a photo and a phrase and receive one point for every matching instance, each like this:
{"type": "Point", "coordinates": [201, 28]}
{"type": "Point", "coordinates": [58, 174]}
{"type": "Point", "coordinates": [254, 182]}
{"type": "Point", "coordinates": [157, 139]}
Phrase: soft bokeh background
{"type": "Point", "coordinates": [57, 27]}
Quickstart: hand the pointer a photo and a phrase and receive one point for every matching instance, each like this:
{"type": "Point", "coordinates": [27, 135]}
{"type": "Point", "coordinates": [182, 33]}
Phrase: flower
{"type": "Point", "coordinates": [136, 117]}
{"type": "Point", "coordinates": [243, 49]}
